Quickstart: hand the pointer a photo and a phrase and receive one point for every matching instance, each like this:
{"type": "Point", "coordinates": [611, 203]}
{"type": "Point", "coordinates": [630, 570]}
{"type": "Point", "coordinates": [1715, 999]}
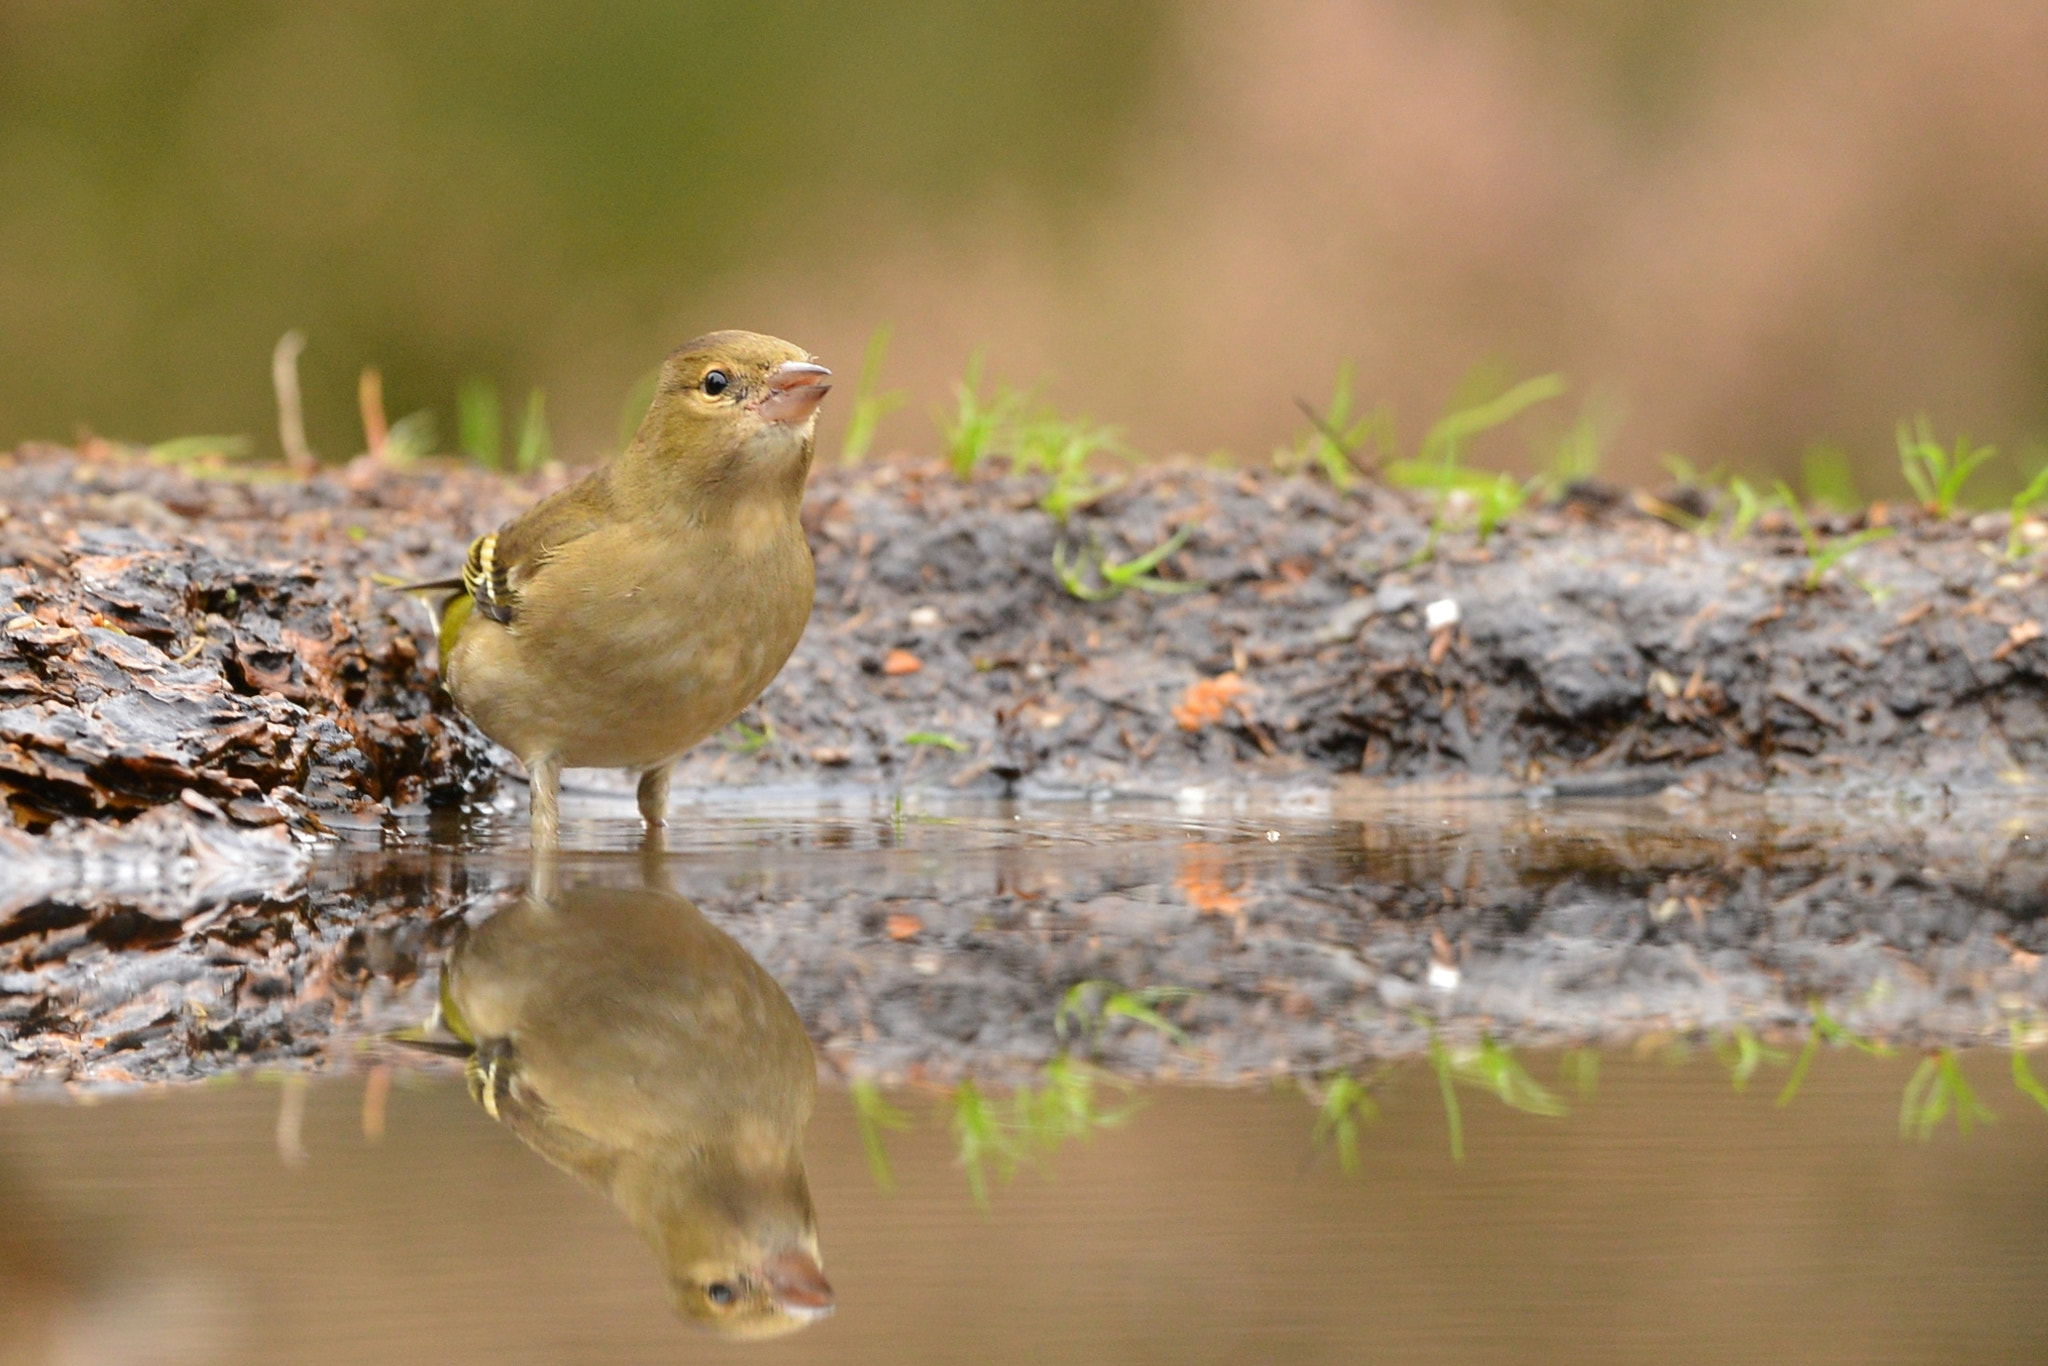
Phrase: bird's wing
{"type": "Point", "coordinates": [502, 563]}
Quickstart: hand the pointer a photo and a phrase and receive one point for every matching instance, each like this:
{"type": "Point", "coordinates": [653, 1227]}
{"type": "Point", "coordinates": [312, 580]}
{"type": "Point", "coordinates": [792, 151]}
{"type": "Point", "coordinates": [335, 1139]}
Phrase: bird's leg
{"type": "Point", "coordinates": [544, 773]}
{"type": "Point", "coordinates": [654, 797]}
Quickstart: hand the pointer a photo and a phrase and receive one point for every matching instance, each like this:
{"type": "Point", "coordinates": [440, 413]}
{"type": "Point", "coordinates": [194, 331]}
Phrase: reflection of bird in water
{"type": "Point", "coordinates": [637, 1046]}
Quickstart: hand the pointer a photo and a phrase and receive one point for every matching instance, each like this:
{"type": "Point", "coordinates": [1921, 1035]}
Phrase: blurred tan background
{"type": "Point", "coordinates": [1754, 224]}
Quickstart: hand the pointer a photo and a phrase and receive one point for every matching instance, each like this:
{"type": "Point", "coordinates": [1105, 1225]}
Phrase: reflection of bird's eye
{"type": "Point", "coordinates": [714, 383]}
{"type": "Point", "coordinates": [718, 1292]}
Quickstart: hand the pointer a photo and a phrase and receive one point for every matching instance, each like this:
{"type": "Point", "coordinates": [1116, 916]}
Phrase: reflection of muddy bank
{"type": "Point", "coordinates": [938, 948]}
{"type": "Point", "coordinates": [221, 649]}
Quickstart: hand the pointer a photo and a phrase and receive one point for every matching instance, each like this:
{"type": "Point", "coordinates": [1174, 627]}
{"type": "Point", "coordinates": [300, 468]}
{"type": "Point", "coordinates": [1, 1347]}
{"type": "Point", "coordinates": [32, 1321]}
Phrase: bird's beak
{"type": "Point", "coordinates": [798, 1283]}
{"type": "Point", "coordinates": [794, 391]}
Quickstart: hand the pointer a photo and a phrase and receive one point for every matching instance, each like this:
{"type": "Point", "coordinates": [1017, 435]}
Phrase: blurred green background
{"type": "Point", "coordinates": [1753, 225]}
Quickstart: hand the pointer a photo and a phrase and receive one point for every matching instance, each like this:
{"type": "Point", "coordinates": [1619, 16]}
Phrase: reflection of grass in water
{"type": "Point", "coordinates": [1346, 1104]}
{"type": "Point", "coordinates": [1825, 1029]}
{"type": "Point", "coordinates": [1066, 1102]}
{"type": "Point", "coordinates": [2023, 1078]}
{"type": "Point", "coordinates": [1069, 1098]}
{"type": "Point", "coordinates": [875, 1114]}
{"type": "Point", "coordinates": [1744, 1053]}
{"type": "Point", "coordinates": [1487, 1067]}
{"type": "Point", "coordinates": [1580, 1068]}
{"type": "Point", "coordinates": [1937, 1090]}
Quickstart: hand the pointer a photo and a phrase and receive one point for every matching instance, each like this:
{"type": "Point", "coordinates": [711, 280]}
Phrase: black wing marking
{"type": "Point", "coordinates": [487, 581]}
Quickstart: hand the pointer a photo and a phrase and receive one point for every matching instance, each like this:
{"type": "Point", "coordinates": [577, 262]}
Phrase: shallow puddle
{"type": "Point", "coordinates": [1452, 1079]}
{"type": "Point", "coordinates": [1665, 1219]}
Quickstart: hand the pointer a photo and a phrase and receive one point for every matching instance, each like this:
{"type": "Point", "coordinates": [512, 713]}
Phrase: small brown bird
{"type": "Point", "coordinates": [635, 1045]}
{"type": "Point", "coordinates": [623, 619]}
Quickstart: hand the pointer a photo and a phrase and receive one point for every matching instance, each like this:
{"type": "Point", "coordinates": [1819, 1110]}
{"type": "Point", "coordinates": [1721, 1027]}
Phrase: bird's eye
{"type": "Point", "coordinates": [714, 384]}
{"type": "Point", "coordinates": [718, 1292]}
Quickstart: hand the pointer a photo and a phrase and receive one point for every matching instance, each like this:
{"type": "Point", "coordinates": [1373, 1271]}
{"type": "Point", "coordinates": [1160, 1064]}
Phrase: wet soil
{"type": "Point", "coordinates": [225, 645]}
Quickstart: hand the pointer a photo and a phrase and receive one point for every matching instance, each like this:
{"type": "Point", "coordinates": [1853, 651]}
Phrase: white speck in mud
{"type": "Point", "coordinates": [1191, 800]}
{"type": "Point", "coordinates": [1272, 837]}
{"type": "Point", "coordinates": [925, 963]}
{"type": "Point", "coordinates": [924, 618]}
{"type": "Point", "coordinates": [1441, 613]}
{"type": "Point", "coordinates": [1444, 976]}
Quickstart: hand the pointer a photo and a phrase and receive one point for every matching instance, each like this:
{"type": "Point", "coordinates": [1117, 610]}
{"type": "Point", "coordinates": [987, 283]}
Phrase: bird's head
{"type": "Point", "coordinates": [735, 409]}
{"type": "Point", "coordinates": [760, 1296]}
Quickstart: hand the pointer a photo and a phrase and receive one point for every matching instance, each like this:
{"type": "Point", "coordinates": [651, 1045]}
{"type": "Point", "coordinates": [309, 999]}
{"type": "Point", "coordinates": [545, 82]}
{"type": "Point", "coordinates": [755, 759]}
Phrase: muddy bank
{"type": "Point", "coordinates": [222, 645]}
{"type": "Point", "coordinates": [933, 950]}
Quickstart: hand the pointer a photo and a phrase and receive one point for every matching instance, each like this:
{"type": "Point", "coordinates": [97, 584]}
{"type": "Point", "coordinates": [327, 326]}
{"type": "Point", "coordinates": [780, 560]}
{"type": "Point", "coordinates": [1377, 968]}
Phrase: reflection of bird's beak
{"type": "Point", "coordinates": [794, 391]}
{"type": "Point", "coordinates": [799, 1284]}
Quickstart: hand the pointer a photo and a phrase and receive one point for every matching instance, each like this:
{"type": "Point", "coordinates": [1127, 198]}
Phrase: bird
{"type": "Point", "coordinates": [638, 1047]}
{"type": "Point", "coordinates": [624, 618]}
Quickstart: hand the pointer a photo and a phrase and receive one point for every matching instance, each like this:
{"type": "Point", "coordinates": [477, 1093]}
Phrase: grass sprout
{"type": "Point", "coordinates": [870, 403]}
{"type": "Point", "coordinates": [876, 1115]}
{"type": "Point", "coordinates": [937, 739]}
{"type": "Point", "coordinates": [1345, 1105]}
{"type": "Point", "coordinates": [1063, 449]}
{"type": "Point", "coordinates": [1493, 497]}
{"type": "Point", "coordinates": [1822, 555]}
{"type": "Point", "coordinates": [536, 445]}
{"type": "Point", "coordinates": [2024, 502]}
{"type": "Point", "coordinates": [751, 739]}
{"type": "Point", "coordinates": [633, 408]}
{"type": "Point", "coordinates": [1937, 1090]}
{"type": "Point", "coordinates": [1828, 477]}
{"type": "Point", "coordinates": [480, 422]}
{"type": "Point", "coordinates": [1577, 454]}
{"type": "Point", "coordinates": [1110, 578]}
{"type": "Point", "coordinates": [979, 427]}
{"type": "Point", "coordinates": [199, 450]}
{"type": "Point", "coordinates": [1749, 505]}
{"type": "Point", "coordinates": [412, 437]}
{"type": "Point", "coordinates": [1937, 474]}
{"type": "Point", "coordinates": [1336, 437]}
{"type": "Point", "coordinates": [1688, 475]}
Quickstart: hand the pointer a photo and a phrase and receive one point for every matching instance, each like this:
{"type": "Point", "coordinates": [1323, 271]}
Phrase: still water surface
{"type": "Point", "coordinates": [633, 1128]}
{"type": "Point", "coordinates": [1667, 1220]}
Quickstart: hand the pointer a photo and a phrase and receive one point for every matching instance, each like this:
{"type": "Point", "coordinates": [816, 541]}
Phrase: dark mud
{"type": "Point", "coordinates": [925, 949]}
{"type": "Point", "coordinates": [224, 645]}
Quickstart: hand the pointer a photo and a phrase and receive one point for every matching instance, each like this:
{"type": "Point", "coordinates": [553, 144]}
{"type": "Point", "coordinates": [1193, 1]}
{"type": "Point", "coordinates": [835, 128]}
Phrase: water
{"type": "Point", "coordinates": [1440, 1079]}
{"type": "Point", "coordinates": [1666, 1220]}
